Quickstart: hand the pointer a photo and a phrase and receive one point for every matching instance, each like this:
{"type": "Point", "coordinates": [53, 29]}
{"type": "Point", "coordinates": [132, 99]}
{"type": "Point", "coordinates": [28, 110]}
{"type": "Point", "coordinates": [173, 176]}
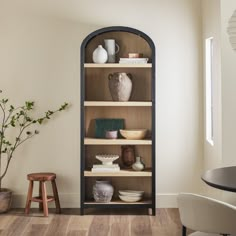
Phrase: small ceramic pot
{"type": "Point", "coordinates": [111, 134]}
{"type": "Point", "coordinates": [103, 191]}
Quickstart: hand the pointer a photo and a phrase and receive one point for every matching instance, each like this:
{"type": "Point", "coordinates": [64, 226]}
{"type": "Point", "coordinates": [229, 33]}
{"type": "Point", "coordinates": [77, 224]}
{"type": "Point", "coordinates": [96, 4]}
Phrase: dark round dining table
{"type": "Point", "coordinates": [222, 178]}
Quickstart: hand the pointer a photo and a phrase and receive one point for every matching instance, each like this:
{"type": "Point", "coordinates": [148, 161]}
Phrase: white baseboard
{"type": "Point", "coordinates": [166, 200]}
{"type": "Point", "coordinates": [67, 200]}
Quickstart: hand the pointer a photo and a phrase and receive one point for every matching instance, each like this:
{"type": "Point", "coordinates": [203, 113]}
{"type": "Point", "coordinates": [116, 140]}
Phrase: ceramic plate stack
{"type": "Point", "coordinates": [130, 195]}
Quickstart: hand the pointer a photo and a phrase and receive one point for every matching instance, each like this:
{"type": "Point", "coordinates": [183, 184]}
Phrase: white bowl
{"type": "Point", "coordinates": [130, 198]}
{"type": "Point", "coordinates": [131, 193]}
{"type": "Point", "coordinates": [107, 159]}
{"type": "Point", "coordinates": [133, 133]}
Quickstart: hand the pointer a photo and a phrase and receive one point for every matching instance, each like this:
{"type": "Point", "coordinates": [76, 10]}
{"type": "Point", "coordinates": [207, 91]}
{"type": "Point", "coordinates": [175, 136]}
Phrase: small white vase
{"type": "Point", "coordinates": [138, 165]}
{"type": "Point", "coordinates": [100, 55]}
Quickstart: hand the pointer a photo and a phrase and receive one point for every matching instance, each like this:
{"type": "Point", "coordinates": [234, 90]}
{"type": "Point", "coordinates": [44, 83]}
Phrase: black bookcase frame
{"type": "Point", "coordinates": [82, 121]}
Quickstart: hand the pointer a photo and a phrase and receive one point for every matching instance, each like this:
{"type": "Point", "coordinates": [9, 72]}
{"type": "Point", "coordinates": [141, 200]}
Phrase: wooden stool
{"type": "Point", "coordinates": [42, 199]}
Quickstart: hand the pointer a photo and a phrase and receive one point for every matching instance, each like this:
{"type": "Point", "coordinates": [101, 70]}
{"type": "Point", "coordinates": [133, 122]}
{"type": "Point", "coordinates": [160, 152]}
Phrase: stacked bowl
{"type": "Point", "coordinates": [130, 195]}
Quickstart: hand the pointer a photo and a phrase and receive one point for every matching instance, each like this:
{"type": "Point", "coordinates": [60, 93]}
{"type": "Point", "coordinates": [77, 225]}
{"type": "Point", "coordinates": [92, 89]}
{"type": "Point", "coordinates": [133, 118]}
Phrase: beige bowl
{"type": "Point", "coordinates": [133, 133]}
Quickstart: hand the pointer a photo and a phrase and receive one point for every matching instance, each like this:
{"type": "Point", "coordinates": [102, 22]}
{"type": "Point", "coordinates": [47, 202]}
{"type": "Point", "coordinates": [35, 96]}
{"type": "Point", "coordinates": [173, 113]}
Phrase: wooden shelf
{"type": "Point", "coordinates": [97, 141]}
{"type": "Point", "coordinates": [117, 104]}
{"type": "Point", "coordinates": [119, 202]}
{"type": "Point", "coordinates": [117, 65]}
{"type": "Point", "coordinates": [121, 173]}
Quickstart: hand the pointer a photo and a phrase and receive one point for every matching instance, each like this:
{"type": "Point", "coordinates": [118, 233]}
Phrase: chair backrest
{"type": "Point", "coordinates": [206, 214]}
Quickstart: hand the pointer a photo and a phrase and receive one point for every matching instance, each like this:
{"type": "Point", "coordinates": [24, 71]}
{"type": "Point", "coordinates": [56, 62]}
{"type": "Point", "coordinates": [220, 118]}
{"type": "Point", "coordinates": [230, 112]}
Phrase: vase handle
{"type": "Point", "coordinates": [110, 76]}
{"type": "Point", "coordinates": [117, 48]}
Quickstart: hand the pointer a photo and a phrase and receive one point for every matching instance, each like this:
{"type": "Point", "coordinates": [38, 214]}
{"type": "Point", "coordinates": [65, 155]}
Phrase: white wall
{"type": "Point", "coordinates": [228, 92]}
{"type": "Point", "coordinates": [216, 15]}
{"type": "Point", "coordinates": [228, 86]}
{"type": "Point", "coordinates": [40, 46]}
{"type": "Point", "coordinates": [211, 28]}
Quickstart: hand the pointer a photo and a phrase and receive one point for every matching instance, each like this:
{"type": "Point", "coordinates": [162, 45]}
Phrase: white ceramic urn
{"type": "Point", "coordinates": [120, 86]}
{"type": "Point", "coordinates": [100, 55]}
{"type": "Point", "coordinates": [102, 191]}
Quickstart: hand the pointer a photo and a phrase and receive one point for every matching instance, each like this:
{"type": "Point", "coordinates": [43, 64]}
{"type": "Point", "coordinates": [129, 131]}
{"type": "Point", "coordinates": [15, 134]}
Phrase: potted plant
{"type": "Point", "coordinates": [19, 121]}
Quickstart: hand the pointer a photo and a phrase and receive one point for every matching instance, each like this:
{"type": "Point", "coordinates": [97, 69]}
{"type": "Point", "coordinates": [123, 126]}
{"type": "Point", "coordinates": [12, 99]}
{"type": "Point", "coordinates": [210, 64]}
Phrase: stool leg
{"type": "Point", "coordinates": [44, 198]}
{"type": "Point", "coordinates": [29, 197]}
{"type": "Point", "coordinates": [40, 195]}
{"type": "Point", "coordinates": [55, 193]}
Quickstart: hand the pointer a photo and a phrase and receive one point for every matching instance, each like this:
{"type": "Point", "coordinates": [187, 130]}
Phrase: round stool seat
{"type": "Point", "coordinates": [44, 176]}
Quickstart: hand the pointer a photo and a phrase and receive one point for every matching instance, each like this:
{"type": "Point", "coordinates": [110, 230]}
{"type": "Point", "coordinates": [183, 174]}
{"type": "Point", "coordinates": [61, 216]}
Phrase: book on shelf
{"type": "Point", "coordinates": [133, 60]}
{"type": "Point", "coordinates": [117, 169]}
{"type": "Point", "coordinates": [105, 168]}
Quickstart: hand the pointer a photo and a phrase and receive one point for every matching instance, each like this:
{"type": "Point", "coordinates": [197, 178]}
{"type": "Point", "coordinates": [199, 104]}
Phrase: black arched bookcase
{"type": "Point", "coordinates": [138, 112]}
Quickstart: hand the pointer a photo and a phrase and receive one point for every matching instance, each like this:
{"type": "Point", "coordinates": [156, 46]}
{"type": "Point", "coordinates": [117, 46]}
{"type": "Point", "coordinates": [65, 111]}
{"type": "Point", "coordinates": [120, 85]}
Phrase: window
{"type": "Point", "coordinates": [209, 90]}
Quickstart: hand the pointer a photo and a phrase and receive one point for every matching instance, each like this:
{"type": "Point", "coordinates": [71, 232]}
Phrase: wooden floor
{"type": "Point", "coordinates": [70, 223]}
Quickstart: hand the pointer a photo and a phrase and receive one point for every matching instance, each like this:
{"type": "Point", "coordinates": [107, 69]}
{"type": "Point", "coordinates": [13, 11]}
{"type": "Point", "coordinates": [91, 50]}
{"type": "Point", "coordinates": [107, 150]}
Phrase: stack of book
{"type": "Point", "coordinates": [133, 60]}
{"type": "Point", "coordinates": [106, 168]}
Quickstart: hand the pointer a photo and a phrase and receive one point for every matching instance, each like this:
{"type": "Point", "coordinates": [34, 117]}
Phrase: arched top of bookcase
{"type": "Point", "coordinates": [129, 40]}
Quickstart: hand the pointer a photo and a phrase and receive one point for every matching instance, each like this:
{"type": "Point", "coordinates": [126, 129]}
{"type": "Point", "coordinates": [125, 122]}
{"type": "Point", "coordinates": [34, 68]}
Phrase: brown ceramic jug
{"type": "Point", "coordinates": [128, 155]}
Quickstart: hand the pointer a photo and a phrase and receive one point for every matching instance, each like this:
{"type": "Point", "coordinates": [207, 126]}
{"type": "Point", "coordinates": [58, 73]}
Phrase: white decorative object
{"type": "Point", "coordinates": [112, 49]}
{"type": "Point", "coordinates": [138, 164]}
{"type": "Point", "coordinates": [100, 55]}
{"type": "Point", "coordinates": [133, 60]}
{"type": "Point", "coordinates": [232, 30]}
{"type": "Point", "coordinates": [102, 191]}
{"type": "Point", "coordinates": [130, 195]}
{"type": "Point", "coordinates": [105, 168]}
{"type": "Point", "coordinates": [107, 159]}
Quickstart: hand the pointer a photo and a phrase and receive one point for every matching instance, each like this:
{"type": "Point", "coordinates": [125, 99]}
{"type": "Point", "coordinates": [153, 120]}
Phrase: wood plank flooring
{"type": "Point", "coordinates": [110, 223]}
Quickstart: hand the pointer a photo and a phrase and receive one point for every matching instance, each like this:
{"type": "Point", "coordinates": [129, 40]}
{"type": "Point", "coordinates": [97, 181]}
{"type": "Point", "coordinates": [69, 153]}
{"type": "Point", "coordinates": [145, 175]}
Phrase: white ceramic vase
{"type": "Point", "coordinates": [138, 165]}
{"type": "Point", "coordinates": [102, 191]}
{"type": "Point", "coordinates": [100, 55]}
{"type": "Point", "coordinates": [120, 86]}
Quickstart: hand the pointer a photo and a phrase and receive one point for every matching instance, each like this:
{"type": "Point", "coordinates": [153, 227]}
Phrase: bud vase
{"type": "Point", "coordinates": [138, 165]}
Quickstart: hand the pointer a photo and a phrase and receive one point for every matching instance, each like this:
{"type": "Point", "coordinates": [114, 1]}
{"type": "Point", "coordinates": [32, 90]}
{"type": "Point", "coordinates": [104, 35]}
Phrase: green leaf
{"type": "Point", "coordinates": [40, 120]}
{"type": "Point", "coordinates": [11, 108]}
{"type": "Point", "coordinates": [63, 107]}
{"type": "Point", "coordinates": [29, 105]}
{"type": "Point", "coordinates": [28, 118]}
{"type": "Point", "coordinates": [5, 100]}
